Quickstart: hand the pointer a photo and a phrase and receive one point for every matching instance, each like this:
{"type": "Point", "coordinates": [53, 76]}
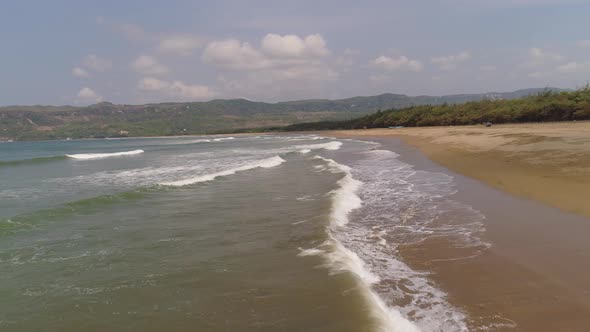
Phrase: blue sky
{"type": "Point", "coordinates": [81, 52]}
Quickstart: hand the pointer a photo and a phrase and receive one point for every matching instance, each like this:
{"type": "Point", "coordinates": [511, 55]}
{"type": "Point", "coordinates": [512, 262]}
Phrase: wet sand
{"type": "Point", "coordinates": [534, 277]}
{"type": "Point", "coordinates": [547, 162]}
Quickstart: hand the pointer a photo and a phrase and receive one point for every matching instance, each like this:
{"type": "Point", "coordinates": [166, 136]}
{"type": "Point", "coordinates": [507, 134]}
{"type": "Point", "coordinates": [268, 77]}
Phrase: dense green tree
{"type": "Point", "coordinates": [543, 107]}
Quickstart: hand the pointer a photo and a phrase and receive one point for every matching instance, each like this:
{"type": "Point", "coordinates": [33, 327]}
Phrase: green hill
{"type": "Point", "coordinates": [110, 120]}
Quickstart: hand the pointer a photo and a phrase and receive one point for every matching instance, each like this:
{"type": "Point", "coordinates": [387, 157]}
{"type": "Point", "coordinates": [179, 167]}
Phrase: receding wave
{"type": "Point", "coordinates": [399, 205]}
{"type": "Point", "coordinates": [341, 259]}
{"type": "Point", "coordinates": [264, 163]}
{"type": "Point", "coordinates": [32, 161]}
{"type": "Point", "coordinates": [90, 156]}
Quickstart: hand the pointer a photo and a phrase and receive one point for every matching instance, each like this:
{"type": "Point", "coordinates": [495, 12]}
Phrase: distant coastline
{"type": "Point", "coordinates": [231, 116]}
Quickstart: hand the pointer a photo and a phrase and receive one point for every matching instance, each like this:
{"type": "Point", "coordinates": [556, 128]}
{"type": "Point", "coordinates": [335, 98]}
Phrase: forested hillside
{"type": "Point", "coordinates": [542, 107]}
{"type": "Point", "coordinates": [110, 120]}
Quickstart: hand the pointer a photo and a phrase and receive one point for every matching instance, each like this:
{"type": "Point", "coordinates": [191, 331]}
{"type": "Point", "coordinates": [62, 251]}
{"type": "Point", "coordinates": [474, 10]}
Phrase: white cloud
{"type": "Point", "coordinates": [96, 63]}
{"type": "Point", "coordinates": [294, 46]}
{"type": "Point", "coordinates": [303, 73]}
{"type": "Point", "coordinates": [88, 95]}
{"type": "Point", "coordinates": [573, 67]}
{"type": "Point", "coordinates": [451, 62]}
{"type": "Point", "coordinates": [179, 44]}
{"type": "Point", "coordinates": [79, 72]}
{"type": "Point", "coordinates": [233, 54]}
{"type": "Point", "coordinates": [539, 57]}
{"type": "Point", "coordinates": [570, 70]}
{"type": "Point", "coordinates": [276, 51]}
{"type": "Point", "coordinates": [152, 84]}
{"type": "Point", "coordinates": [568, 67]}
{"type": "Point", "coordinates": [547, 65]}
{"type": "Point", "coordinates": [176, 89]}
{"type": "Point", "coordinates": [583, 43]}
{"type": "Point", "coordinates": [397, 63]}
{"type": "Point", "coordinates": [148, 65]}
{"type": "Point", "coordinates": [286, 65]}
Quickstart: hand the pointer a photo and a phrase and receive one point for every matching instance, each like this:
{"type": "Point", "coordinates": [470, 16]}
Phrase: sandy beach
{"type": "Point", "coordinates": [546, 162]}
{"type": "Point", "coordinates": [534, 275]}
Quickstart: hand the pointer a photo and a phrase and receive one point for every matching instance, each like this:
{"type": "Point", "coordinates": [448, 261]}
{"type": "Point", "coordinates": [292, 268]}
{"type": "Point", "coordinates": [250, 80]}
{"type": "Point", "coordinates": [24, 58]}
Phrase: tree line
{"type": "Point", "coordinates": [547, 106]}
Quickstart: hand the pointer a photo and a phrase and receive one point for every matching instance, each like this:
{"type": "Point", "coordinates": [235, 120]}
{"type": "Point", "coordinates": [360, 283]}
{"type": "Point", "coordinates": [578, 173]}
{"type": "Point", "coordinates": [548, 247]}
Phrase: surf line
{"type": "Point", "coordinates": [89, 156]}
{"type": "Point", "coordinates": [341, 259]}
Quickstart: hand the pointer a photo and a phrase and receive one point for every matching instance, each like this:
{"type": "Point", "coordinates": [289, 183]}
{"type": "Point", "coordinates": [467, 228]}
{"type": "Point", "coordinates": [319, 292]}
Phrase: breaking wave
{"type": "Point", "coordinates": [90, 156]}
{"type": "Point", "coordinates": [264, 163]}
{"type": "Point", "coordinates": [221, 139]}
{"type": "Point", "coordinates": [31, 161]}
{"type": "Point", "coordinates": [341, 259]}
{"type": "Point", "coordinates": [81, 156]}
{"type": "Point", "coordinates": [334, 145]}
{"type": "Point", "coordinates": [392, 203]}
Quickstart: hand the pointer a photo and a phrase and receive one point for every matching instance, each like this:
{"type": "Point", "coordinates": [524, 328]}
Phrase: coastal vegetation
{"type": "Point", "coordinates": [546, 106]}
{"type": "Point", "coordinates": [215, 116]}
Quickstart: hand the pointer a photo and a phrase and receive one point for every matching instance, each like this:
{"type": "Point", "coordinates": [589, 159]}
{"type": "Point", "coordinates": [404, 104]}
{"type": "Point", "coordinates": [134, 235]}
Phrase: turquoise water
{"type": "Point", "coordinates": [258, 233]}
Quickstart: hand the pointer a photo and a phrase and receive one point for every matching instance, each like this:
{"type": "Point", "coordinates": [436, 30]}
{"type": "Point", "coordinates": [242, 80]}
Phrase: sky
{"type": "Point", "coordinates": [81, 52]}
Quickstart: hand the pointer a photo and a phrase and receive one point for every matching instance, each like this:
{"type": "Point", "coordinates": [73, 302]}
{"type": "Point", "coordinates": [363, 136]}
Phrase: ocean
{"type": "Point", "coordinates": [212, 233]}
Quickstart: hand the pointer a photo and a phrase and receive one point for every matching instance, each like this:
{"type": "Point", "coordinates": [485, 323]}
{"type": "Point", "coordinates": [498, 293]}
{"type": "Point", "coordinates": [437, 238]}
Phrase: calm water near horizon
{"type": "Point", "coordinates": [254, 233]}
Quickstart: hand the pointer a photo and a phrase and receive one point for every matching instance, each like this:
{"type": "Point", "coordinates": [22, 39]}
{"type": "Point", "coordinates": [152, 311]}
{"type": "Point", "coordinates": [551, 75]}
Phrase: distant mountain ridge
{"type": "Point", "coordinates": [109, 120]}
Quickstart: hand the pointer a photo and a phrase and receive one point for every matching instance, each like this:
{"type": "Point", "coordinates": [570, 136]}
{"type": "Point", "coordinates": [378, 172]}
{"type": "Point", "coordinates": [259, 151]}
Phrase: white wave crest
{"type": "Point", "coordinates": [304, 151]}
{"type": "Point", "coordinates": [223, 139]}
{"type": "Point", "coordinates": [344, 199]}
{"type": "Point", "coordinates": [341, 259]}
{"type": "Point", "coordinates": [203, 140]}
{"type": "Point", "coordinates": [184, 142]}
{"type": "Point", "coordinates": [89, 156]}
{"type": "Point", "coordinates": [264, 163]}
{"type": "Point", "coordinates": [404, 205]}
{"type": "Point", "coordinates": [334, 145]}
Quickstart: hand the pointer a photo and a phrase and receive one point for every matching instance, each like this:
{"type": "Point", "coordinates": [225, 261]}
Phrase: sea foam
{"type": "Point", "coordinates": [341, 259]}
{"type": "Point", "coordinates": [334, 145]}
{"type": "Point", "coordinates": [402, 204]}
{"type": "Point", "coordinates": [89, 156]}
{"type": "Point", "coordinates": [223, 139]}
{"type": "Point", "coordinates": [264, 163]}
{"type": "Point", "coordinates": [344, 199]}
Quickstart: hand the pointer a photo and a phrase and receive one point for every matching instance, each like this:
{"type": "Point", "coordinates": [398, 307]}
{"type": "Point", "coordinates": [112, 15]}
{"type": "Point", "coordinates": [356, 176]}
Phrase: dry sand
{"type": "Point", "coordinates": [535, 276]}
{"type": "Point", "coordinates": [548, 162]}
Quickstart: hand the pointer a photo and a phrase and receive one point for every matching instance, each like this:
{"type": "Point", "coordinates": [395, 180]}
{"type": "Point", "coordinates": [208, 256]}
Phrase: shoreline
{"type": "Point", "coordinates": [545, 162]}
{"type": "Point", "coordinates": [535, 263]}
{"type": "Point", "coordinates": [130, 137]}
